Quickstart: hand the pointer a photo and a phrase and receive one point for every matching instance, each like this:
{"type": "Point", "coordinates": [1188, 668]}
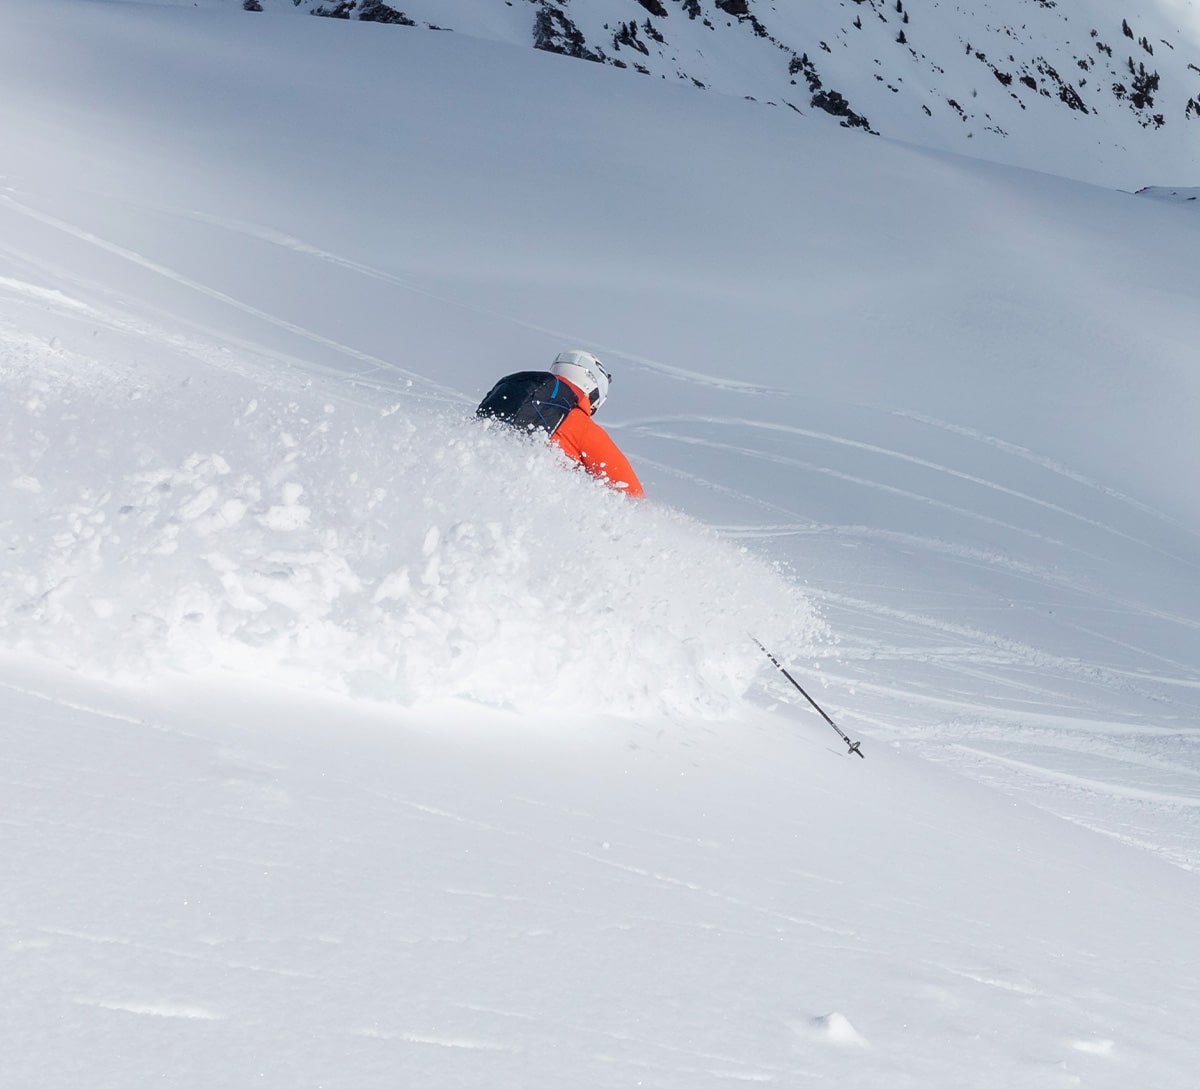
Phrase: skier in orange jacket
{"type": "Point", "coordinates": [561, 402]}
{"type": "Point", "coordinates": [579, 436]}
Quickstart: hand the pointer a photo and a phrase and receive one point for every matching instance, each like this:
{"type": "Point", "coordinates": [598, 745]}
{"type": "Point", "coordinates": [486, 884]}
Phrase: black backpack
{"type": "Point", "coordinates": [529, 400]}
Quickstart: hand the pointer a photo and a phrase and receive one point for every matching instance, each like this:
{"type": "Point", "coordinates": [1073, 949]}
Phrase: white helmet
{"type": "Point", "coordinates": [584, 371]}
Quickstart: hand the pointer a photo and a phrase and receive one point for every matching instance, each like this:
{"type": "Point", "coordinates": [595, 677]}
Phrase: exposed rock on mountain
{"type": "Point", "coordinates": [1096, 91]}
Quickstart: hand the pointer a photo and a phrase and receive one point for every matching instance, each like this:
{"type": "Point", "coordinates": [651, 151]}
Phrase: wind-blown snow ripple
{"type": "Point", "coordinates": [395, 553]}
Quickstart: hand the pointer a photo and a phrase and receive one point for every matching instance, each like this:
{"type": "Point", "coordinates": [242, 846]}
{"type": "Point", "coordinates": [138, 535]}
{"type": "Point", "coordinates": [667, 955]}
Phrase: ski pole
{"type": "Point", "coordinates": [854, 745]}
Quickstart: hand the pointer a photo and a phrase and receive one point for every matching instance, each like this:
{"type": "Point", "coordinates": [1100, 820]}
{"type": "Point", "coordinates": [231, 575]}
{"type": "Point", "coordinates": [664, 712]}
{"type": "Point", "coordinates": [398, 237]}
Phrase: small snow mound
{"type": "Point", "coordinates": [1095, 1046]}
{"type": "Point", "coordinates": [835, 1028]}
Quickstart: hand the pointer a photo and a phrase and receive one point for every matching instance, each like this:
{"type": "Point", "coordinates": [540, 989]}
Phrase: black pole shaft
{"type": "Point", "coordinates": [855, 746]}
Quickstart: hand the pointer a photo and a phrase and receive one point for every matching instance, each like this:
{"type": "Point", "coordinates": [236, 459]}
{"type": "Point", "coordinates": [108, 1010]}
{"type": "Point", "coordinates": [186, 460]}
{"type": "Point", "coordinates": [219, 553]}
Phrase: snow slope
{"type": "Point", "coordinates": [1098, 90]}
{"type": "Point", "coordinates": [347, 743]}
{"type": "Point", "coordinates": [229, 889]}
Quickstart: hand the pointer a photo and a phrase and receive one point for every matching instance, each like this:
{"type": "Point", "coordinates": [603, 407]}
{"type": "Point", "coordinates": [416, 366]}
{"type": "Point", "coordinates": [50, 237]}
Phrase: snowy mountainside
{"type": "Point", "coordinates": [294, 789]}
{"type": "Point", "coordinates": [1100, 91]}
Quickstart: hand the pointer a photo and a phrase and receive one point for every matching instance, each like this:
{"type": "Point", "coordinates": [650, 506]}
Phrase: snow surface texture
{"type": "Point", "coordinates": [227, 888]}
{"type": "Point", "coordinates": [282, 802]}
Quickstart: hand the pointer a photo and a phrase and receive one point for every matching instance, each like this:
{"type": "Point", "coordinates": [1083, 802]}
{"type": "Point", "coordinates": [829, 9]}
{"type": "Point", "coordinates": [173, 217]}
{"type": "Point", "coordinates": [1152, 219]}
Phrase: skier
{"type": "Point", "coordinates": [561, 402]}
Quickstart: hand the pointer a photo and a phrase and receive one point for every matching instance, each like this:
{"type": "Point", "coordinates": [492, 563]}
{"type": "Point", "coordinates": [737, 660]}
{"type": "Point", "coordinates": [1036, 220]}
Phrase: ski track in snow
{"type": "Point", "coordinates": [1094, 785]}
{"type": "Point", "coordinates": [49, 297]}
{"type": "Point", "coordinates": [299, 246]}
{"type": "Point", "coordinates": [216, 348]}
{"type": "Point", "coordinates": [674, 882]}
{"type": "Point", "coordinates": [374, 365]}
{"type": "Point", "coordinates": [1046, 463]}
{"type": "Point", "coordinates": [653, 425]}
{"type": "Point", "coordinates": [871, 483]}
{"type": "Point", "coordinates": [1010, 651]}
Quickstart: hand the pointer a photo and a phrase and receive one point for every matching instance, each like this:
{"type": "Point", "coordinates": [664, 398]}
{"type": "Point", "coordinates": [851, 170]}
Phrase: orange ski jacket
{"type": "Point", "coordinates": [585, 441]}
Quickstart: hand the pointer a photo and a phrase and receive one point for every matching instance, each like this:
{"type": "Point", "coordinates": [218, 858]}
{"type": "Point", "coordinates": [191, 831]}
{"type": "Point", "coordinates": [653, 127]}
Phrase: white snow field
{"type": "Point", "coordinates": [345, 742]}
